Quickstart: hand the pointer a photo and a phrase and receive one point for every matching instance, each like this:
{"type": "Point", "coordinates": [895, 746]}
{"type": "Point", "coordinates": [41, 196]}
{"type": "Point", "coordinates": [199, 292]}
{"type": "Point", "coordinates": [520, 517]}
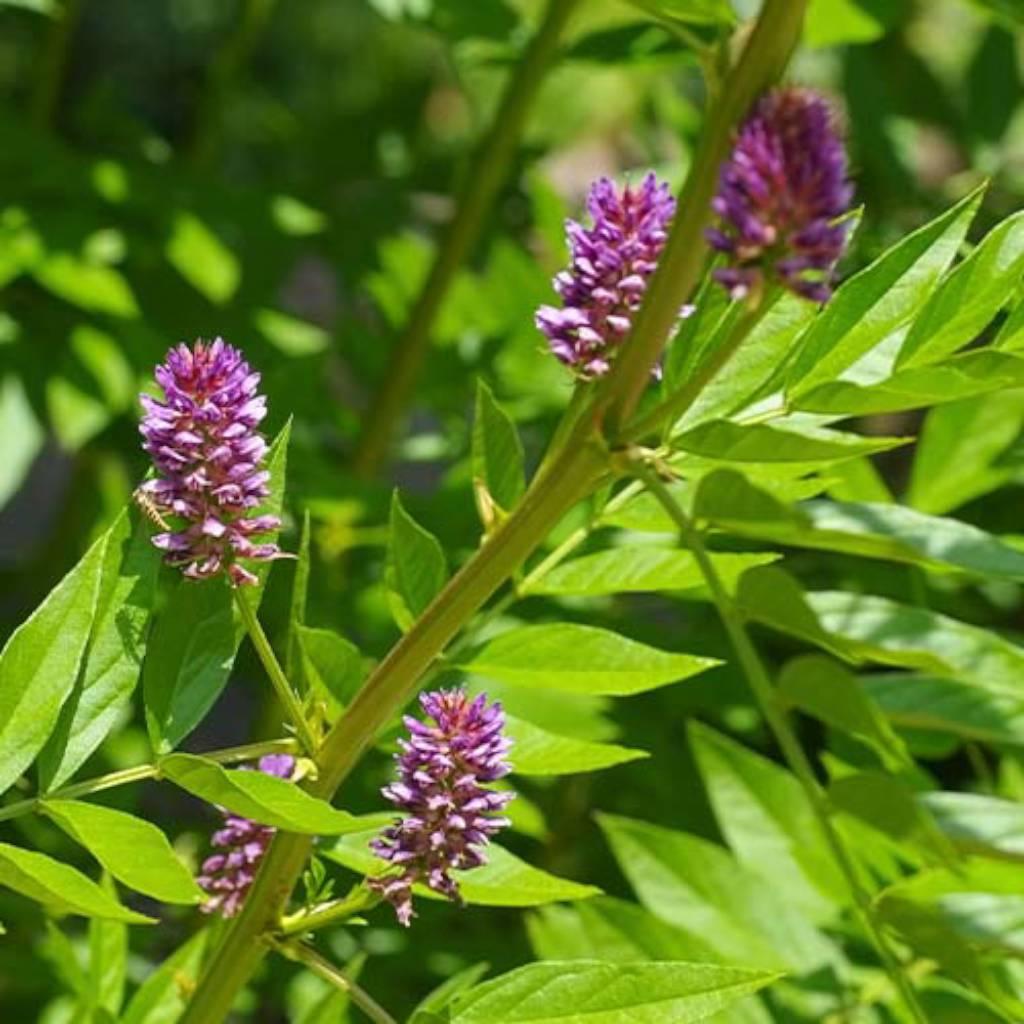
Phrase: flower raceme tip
{"type": "Point", "coordinates": [780, 198]}
{"type": "Point", "coordinates": [612, 262]}
{"type": "Point", "coordinates": [449, 815]}
{"type": "Point", "coordinates": [208, 455]}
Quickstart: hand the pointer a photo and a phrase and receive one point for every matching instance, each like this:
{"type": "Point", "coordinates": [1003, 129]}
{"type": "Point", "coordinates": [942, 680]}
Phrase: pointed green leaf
{"type": "Point", "coordinates": [696, 885]}
{"type": "Point", "coordinates": [203, 259]}
{"type": "Point", "coordinates": [56, 885]}
{"type": "Point", "coordinates": [505, 881]}
{"type": "Point", "coordinates": [566, 993]}
{"type": "Point", "coordinates": [40, 662]}
{"type": "Point", "coordinates": [878, 300]}
{"type": "Point", "coordinates": [89, 286]}
{"type": "Point", "coordinates": [735, 442]}
{"type": "Point", "coordinates": [197, 634]}
{"type": "Point", "coordinates": [820, 687]}
{"type": "Point", "coordinates": [914, 701]}
{"type": "Point", "coordinates": [765, 817]}
{"type": "Point", "coordinates": [580, 659]}
{"type": "Point", "coordinates": [332, 665]}
{"type": "Point", "coordinates": [117, 646]}
{"type": "Point", "coordinates": [956, 459]}
{"type": "Point", "coordinates": [258, 796]}
{"type": "Point", "coordinates": [637, 569]}
{"type": "Point", "coordinates": [498, 460]}
{"type": "Point", "coordinates": [162, 997]}
{"type": "Point", "coordinates": [969, 297]}
{"type": "Point", "coordinates": [416, 570]}
{"type": "Point", "coordinates": [23, 436]}
{"type": "Point", "coordinates": [108, 958]}
{"type": "Point", "coordinates": [536, 751]}
{"type": "Point", "coordinates": [297, 606]}
{"type": "Point", "coordinates": [962, 376]}
{"type": "Point", "coordinates": [984, 825]}
{"type": "Point", "coordinates": [132, 850]}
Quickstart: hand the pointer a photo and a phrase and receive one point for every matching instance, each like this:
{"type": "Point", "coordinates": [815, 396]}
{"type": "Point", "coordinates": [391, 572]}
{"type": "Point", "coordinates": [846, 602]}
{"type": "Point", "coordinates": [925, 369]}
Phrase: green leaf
{"type": "Point", "coordinates": [203, 259]}
{"type": "Point", "coordinates": [88, 286]}
{"type": "Point", "coordinates": [297, 606]}
{"type": "Point", "coordinates": [60, 887]}
{"type": "Point", "coordinates": [969, 297]}
{"type": "Point", "coordinates": [132, 850]}
{"type": "Point", "coordinates": [955, 461]}
{"type": "Point", "coordinates": [40, 662]}
{"type": "Point", "coordinates": [548, 993]}
{"type": "Point", "coordinates": [437, 1000]}
{"type": "Point", "coordinates": [23, 436]}
{"type": "Point", "coordinates": [914, 701]}
{"type": "Point", "coordinates": [162, 997]}
{"type": "Point", "coordinates": [637, 569]}
{"type": "Point", "coordinates": [332, 665]}
{"type": "Point", "coordinates": [117, 646]}
{"type": "Point", "coordinates": [875, 302]}
{"type": "Point", "coordinates": [258, 796]}
{"type": "Point", "coordinates": [963, 376]}
{"type": "Point", "coordinates": [580, 659]}
{"type": "Point", "coordinates": [196, 636]}
{"type": "Point", "coordinates": [842, 22]}
{"type": "Point", "coordinates": [610, 929]}
{"type": "Point", "coordinates": [694, 12]}
{"type": "Point", "coordinates": [734, 442]}
{"type": "Point", "coordinates": [696, 885]}
{"type": "Point", "coordinates": [505, 881]}
{"type": "Point", "coordinates": [416, 570]}
{"type": "Point", "coordinates": [756, 362]}
{"type": "Point", "coordinates": [497, 452]}
{"type": "Point", "coordinates": [765, 817]}
{"type": "Point", "coordinates": [108, 956]}
{"type": "Point", "coordinates": [288, 334]}
{"type": "Point", "coordinates": [919, 638]}
{"type": "Point", "coordinates": [536, 751]}
{"type": "Point", "coordinates": [984, 825]}
{"type": "Point", "coordinates": [820, 687]}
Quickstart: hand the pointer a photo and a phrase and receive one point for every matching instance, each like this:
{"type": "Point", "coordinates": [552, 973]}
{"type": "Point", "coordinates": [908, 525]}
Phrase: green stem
{"type": "Point", "coordinates": [335, 976]}
{"type": "Point", "coordinates": [487, 173]}
{"type": "Point", "coordinates": [768, 48]}
{"type": "Point", "coordinates": [283, 689]}
{"type": "Point", "coordinates": [338, 911]}
{"type": "Point", "coordinates": [55, 59]}
{"type": "Point", "coordinates": [765, 695]}
{"type": "Point", "coordinates": [139, 773]}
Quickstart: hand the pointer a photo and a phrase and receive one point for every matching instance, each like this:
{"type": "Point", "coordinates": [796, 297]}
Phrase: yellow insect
{"type": "Point", "coordinates": [149, 509]}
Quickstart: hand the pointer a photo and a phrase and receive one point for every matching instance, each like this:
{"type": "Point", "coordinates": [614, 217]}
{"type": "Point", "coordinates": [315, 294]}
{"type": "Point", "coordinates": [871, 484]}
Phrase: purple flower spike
{"type": "Point", "coordinates": [227, 876]}
{"type": "Point", "coordinates": [611, 265]}
{"type": "Point", "coordinates": [449, 814]}
{"type": "Point", "coordinates": [779, 196]}
{"type": "Point", "coordinates": [208, 454]}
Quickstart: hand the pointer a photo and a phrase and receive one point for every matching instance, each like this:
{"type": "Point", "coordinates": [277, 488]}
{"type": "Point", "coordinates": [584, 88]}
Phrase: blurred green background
{"type": "Point", "coordinates": [276, 172]}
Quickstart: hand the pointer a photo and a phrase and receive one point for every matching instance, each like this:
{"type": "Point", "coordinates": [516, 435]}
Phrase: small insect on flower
{"type": "Point", "coordinates": [781, 195]}
{"type": "Point", "coordinates": [208, 456]}
{"type": "Point", "coordinates": [612, 262]}
{"type": "Point", "coordinates": [450, 816]}
{"type": "Point", "coordinates": [228, 875]}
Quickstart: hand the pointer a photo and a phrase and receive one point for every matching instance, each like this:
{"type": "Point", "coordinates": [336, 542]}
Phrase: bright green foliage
{"type": "Point", "coordinates": [416, 568]}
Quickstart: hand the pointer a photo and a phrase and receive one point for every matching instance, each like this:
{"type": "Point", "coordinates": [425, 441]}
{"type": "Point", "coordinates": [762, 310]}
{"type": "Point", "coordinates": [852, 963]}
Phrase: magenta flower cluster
{"type": "Point", "coordinates": [779, 196]}
{"type": "Point", "coordinates": [449, 814]}
{"type": "Point", "coordinates": [227, 876]}
{"type": "Point", "coordinates": [208, 455]}
{"type": "Point", "coordinates": [612, 262]}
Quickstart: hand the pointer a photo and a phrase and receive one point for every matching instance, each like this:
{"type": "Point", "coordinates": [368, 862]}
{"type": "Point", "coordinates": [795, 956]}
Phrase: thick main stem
{"type": "Point", "coordinates": [764, 693]}
{"type": "Point", "coordinates": [486, 176]}
{"type": "Point", "coordinates": [283, 689]}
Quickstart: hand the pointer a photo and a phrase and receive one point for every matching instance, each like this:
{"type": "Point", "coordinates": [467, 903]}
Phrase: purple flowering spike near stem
{"type": "Point", "coordinates": [612, 262]}
{"type": "Point", "coordinates": [227, 875]}
{"type": "Point", "coordinates": [780, 194]}
{"type": "Point", "coordinates": [449, 814]}
{"type": "Point", "coordinates": [208, 455]}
